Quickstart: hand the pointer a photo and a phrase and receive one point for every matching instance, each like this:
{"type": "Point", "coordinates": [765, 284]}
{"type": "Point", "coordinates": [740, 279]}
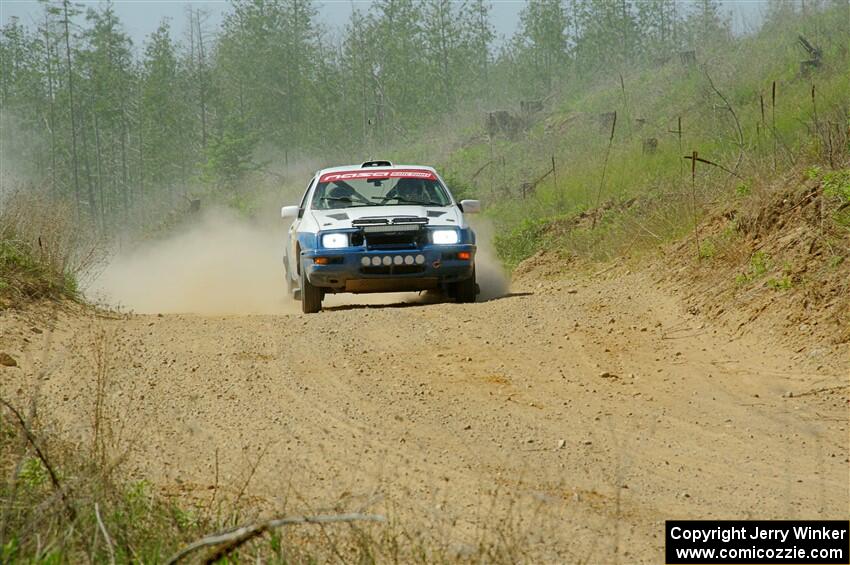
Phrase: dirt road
{"type": "Point", "coordinates": [581, 412]}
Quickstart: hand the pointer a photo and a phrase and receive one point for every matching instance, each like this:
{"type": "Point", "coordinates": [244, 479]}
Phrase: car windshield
{"type": "Point", "coordinates": [378, 191]}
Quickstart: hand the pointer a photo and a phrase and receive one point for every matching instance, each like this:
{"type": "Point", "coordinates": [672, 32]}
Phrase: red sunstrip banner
{"type": "Point", "coordinates": [372, 174]}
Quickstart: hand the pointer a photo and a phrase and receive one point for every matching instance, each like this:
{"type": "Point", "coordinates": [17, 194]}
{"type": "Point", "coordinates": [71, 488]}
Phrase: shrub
{"type": "Point", "coordinates": [43, 248]}
{"type": "Point", "coordinates": [521, 242]}
{"type": "Point", "coordinates": [837, 184]}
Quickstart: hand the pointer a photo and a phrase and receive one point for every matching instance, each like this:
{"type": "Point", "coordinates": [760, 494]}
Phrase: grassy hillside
{"type": "Point", "coordinates": [746, 106]}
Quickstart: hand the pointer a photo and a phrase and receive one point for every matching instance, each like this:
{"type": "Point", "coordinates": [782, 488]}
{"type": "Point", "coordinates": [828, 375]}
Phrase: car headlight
{"type": "Point", "coordinates": [445, 237]}
{"type": "Point", "coordinates": [334, 240]}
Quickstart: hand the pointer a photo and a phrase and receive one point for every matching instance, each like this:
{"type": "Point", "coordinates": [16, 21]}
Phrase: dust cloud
{"type": "Point", "coordinates": [224, 265]}
{"type": "Point", "coordinates": [491, 277]}
{"type": "Point", "coordinates": [219, 265]}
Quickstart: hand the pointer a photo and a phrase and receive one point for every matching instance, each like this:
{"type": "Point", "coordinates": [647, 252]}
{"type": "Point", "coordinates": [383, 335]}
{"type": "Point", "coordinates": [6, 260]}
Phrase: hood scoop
{"type": "Point", "coordinates": [435, 213]}
{"type": "Point", "coordinates": [342, 216]}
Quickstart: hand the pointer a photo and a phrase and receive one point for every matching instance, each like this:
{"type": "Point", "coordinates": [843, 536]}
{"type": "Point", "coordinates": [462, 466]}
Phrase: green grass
{"type": "Point", "coordinates": [837, 184]}
{"type": "Point", "coordinates": [707, 249]}
{"type": "Point", "coordinates": [569, 131]}
{"type": "Point", "coordinates": [43, 248]}
{"type": "Point", "coordinates": [760, 263]}
{"type": "Point", "coordinates": [63, 520]}
{"type": "Point", "coordinates": [23, 274]}
{"type": "Point", "coordinates": [783, 283]}
{"type": "Point", "coordinates": [40, 528]}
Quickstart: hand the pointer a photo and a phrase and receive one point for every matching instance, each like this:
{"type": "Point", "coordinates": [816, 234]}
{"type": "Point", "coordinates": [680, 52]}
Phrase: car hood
{"type": "Point", "coordinates": [341, 218]}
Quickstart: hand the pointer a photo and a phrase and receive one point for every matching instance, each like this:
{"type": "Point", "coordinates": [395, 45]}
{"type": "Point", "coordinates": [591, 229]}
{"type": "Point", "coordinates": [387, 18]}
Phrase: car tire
{"type": "Point", "coordinates": [465, 291]}
{"type": "Point", "coordinates": [311, 296]}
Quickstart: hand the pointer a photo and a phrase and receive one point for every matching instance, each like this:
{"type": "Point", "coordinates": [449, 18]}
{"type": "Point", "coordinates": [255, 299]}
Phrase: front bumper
{"type": "Point", "coordinates": [429, 267]}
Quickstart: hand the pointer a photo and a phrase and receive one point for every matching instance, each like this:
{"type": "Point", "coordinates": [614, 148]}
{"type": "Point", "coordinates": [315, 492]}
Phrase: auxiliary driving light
{"type": "Point", "coordinates": [387, 260]}
{"type": "Point", "coordinates": [376, 261]}
{"type": "Point", "coordinates": [420, 259]}
{"type": "Point", "coordinates": [365, 261]}
{"type": "Point", "coordinates": [397, 260]}
{"type": "Point", "coordinates": [408, 260]}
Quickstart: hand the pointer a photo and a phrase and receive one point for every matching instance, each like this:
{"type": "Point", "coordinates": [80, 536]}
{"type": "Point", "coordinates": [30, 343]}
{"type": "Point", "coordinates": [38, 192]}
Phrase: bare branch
{"type": "Point", "coordinates": [481, 168]}
{"type": "Point", "coordinates": [105, 533]}
{"type": "Point", "coordinates": [234, 538]}
{"type": "Point", "coordinates": [713, 164]}
{"type": "Point", "coordinates": [738, 127]}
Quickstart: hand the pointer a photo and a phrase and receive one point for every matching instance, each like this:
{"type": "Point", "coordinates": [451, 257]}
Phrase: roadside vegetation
{"type": "Point", "coordinates": [71, 503]}
{"type": "Point", "coordinates": [127, 133]}
{"type": "Point", "coordinates": [44, 251]}
{"type": "Point", "coordinates": [754, 113]}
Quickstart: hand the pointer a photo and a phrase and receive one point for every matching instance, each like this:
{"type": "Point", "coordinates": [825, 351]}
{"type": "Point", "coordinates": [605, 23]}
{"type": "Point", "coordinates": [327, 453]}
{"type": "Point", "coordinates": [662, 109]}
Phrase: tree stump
{"type": "Point", "coordinates": [502, 122]}
{"type": "Point", "coordinates": [606, 121]}
{"type": "Point", "coordinates": [529, 107]}
{"type": "Point", "coordinates": [806, 67]}
{"type": "Point", "coordinates": [688, 58]}
{"type": "Point", "coordinates": [650, 145]}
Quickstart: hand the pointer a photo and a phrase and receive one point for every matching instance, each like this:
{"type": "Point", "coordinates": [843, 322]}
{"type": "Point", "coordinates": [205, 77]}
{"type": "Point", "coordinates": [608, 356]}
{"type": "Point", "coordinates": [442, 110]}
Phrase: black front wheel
{"type": "Point", "coordinates": [311, 296]}
{"type": "Point", "coordinates": [465, 291]}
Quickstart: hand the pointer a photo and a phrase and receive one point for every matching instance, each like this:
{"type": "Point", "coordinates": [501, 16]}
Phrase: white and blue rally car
{"type": "Point", "coordinates": [379, 227]}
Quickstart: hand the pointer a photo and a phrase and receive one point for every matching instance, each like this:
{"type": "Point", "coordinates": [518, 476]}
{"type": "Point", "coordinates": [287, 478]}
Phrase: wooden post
{"type": "Point", "coordinates": [773, 120]}
{"type": "Point", "coordinates": [554, 174]}
{"type": "Point", "coordinates": [694, 200]}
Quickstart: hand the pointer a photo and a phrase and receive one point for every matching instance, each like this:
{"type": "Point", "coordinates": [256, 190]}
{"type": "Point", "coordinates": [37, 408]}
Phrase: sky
{"type": "Point", "coordinates": [142, 17]}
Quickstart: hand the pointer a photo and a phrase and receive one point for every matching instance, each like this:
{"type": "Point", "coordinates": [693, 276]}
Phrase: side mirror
{"type": "Point", "coordinates": [289, 212]}
{"type": "Point", "coordinates": [470, 206]}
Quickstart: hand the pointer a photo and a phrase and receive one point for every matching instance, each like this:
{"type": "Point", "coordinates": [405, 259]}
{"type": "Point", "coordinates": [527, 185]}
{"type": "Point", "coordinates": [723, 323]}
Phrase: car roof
{"type": "Point", "coordinates": [359, 167]}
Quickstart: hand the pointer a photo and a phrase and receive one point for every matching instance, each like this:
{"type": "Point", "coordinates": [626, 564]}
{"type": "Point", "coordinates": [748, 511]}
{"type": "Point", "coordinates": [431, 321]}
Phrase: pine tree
{"type": "Point", "coordinates": [67, 13]}
{"type": "Point", "coordinates": [395, 27]}
{"type": "Point", "coordinates": [440, 34]}
{"type": "Point", "coordinates": [167, 128]}
{"type": "Point", "coordinates": [107, 67]}
{"type": "Point", "coordinates": [659, 22]}
{"type": "Point", "coordinates": [705, 23]}
{"type": "Point", "coordinates": [541, 41]}
{"type": "Point", "coordinates": [264, 60]}
{"type": "Point", "coordinates": [477, 38]}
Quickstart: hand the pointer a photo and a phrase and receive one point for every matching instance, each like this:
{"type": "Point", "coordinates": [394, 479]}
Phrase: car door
{"type": "Point", "coordinates": [292, 250]}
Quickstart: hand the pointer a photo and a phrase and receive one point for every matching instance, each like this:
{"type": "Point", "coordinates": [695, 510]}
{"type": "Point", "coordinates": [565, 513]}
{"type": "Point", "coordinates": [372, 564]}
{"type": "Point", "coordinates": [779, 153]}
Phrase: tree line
{"type": "Point", "coordinates": [110, 125]}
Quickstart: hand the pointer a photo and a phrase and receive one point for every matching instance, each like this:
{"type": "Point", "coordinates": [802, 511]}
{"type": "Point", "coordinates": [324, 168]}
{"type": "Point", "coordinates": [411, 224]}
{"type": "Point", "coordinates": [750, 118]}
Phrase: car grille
{"type": "Point", "coordinates": [395, 240]}
{"type": "Point", "coordinates": [400, 233]}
